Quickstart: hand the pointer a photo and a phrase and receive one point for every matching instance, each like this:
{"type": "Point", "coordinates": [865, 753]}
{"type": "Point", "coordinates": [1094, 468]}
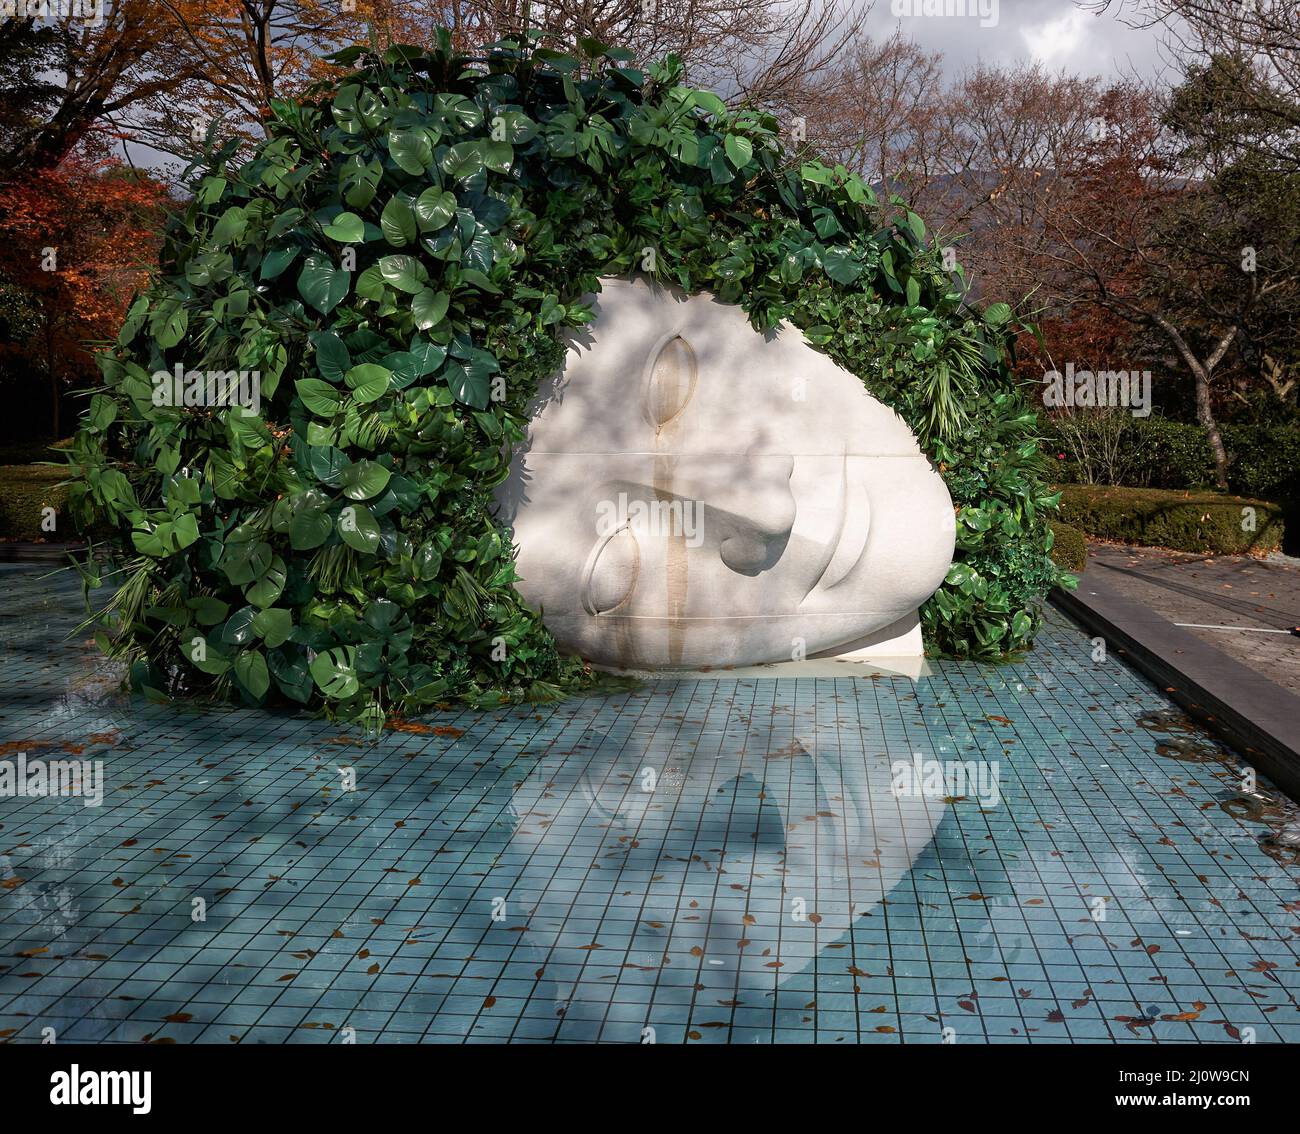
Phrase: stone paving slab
{"type": "Point", "coordinates": [1201, 593]}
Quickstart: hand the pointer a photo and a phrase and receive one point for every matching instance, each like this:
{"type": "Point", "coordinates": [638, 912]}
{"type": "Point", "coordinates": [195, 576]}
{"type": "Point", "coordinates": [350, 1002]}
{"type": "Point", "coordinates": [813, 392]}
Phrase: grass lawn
{"type": "Point", "coordinates": [25, 491]}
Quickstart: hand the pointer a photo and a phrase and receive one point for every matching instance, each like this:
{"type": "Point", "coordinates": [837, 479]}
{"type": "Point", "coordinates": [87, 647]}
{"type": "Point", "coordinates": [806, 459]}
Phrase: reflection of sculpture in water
{"type": "Point", "coordinates": [733, 867]}
{"type": "Point", "coordinates": [693, 492]}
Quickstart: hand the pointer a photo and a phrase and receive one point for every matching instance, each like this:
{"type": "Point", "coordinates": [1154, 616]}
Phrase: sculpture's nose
{"type": "Point", "coordinates": [758, 512]}
{"type": "Point", "coordinates": [744, 504]}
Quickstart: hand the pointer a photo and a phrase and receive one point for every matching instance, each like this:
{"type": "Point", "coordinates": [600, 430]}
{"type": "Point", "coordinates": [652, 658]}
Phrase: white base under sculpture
{"type": "Point", "coordinates": [694, 493]}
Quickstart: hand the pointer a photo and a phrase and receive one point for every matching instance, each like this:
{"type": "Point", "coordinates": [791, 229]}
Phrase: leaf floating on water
{"type": "Point", "coordinates": [1174, 1017]}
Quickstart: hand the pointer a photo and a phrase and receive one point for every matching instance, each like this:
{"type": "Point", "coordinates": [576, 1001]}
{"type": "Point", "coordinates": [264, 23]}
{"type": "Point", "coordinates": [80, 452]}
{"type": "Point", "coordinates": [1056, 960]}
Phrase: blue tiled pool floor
{"type": "Point", "coordinates": [702, 861]}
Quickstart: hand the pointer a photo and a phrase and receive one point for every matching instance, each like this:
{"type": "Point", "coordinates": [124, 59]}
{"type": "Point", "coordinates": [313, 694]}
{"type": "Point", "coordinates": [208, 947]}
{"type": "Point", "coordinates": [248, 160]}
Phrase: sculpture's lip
{"type": "Point", "coordinates": [855, 518]}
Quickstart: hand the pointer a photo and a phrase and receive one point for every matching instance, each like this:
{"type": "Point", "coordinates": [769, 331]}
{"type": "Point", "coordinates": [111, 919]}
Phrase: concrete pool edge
{"type": "Point", "coordinates": [1258, 718]}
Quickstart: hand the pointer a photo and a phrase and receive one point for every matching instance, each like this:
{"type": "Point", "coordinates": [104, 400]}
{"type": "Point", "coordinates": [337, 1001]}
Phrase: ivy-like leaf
{"type": "Point", "coordinates": [323, 284]}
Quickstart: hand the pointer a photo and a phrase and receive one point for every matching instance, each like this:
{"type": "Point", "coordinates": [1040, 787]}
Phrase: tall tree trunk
{"type": "Point", "coordinates": [1202, 372]}
{"type": "Point", "coordinates": [54, 377]}
{"type": "Point", "coordinates": [1205, 415]}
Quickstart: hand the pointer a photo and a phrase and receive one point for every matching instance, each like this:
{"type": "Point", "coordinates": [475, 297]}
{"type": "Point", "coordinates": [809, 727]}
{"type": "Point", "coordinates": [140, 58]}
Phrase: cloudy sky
{"type": "Point", "coordinates": [1057, 33]}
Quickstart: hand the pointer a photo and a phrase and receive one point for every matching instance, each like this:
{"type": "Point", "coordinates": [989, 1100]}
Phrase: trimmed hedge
{"type": "Point", "coordinates": [1182, 520]}
{"type": "Point", "coordinates": [1263, 460]}
{"type": "Point", "coordinates": [1069, 549]}
{"type": "Point", "coordinates": [24, 491]}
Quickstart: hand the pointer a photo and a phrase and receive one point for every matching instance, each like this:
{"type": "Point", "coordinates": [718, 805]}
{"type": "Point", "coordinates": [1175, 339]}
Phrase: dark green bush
{"type": "Point", "coordinates": [1069, 547]}
{"type": "Point", "coordinates": [1176, 454]}
{"type": "Point", "coordinates": [341, 549]}
{"type": "Point", "coordinates": [1265, 460]}
{"type": "Point", "coordinates": [1113, 447]}
{"type": "Point", "coordinates": [1184, 521]}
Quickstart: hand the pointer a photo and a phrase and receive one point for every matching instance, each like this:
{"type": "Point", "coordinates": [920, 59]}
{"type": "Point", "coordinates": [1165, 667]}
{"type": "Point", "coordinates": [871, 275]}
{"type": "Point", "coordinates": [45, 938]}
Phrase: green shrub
{"type": "Point", "coordinates": [1069, 547]}
{"type": "Point", "coordinates": [1185, 521]}
{"type": "Point", "coordinates": [1175, 454]}
{"type": "Point", "coordinates": [25, 490]}
{"type": "Point", "coordinates": [341, 549]}
{"type": "Point", "coordinates": [1113, 447]}
{"type": "Point", "coordinates": [1109, 448]}
{"type": "Point", "coordinates": [1265, 460]}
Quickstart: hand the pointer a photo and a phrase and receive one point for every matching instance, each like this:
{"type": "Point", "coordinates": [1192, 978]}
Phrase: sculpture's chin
{"type": "Point", "coordinates": [642, 642]}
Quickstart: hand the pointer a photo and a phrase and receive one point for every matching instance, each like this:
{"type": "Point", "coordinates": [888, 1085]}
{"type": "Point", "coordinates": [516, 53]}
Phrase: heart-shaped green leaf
{"type": "Point", "coordinates": [405, 273]}
{"type": "Point", "coordinates": [429, 307]}
{"type": "Point", "coordinates": [434, 208]}
{"type": "Point", "coordinates": [250, 669]}
{"type": "Point", "coordinates": [332, 357]}
{"type": "Point", "coordinates": [273, 626]}
{"type": "Point", "coordinates": [358, 528]}
{"type": "Point", "coordinates": [319, 397]}
{"type": "Point", "coordinates": [323, 284]}
{"type": "Point", "coordinates": [398, 222]}
{"type": "Point", "coordinates": [363, 480]}
{"type": "Point", "coordinates": [346, 228]}
{"type": "Point", "coordinates": [368, 381]}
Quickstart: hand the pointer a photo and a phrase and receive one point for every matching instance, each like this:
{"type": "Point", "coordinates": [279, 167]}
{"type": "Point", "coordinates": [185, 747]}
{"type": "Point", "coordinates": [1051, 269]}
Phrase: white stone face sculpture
{"type": "Point", "coordinates": [695, 493]}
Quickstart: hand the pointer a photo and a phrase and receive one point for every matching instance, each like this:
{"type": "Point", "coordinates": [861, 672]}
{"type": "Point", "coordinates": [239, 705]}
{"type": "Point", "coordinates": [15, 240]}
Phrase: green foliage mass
{"type": "Point", "coordinates": [399, 261]}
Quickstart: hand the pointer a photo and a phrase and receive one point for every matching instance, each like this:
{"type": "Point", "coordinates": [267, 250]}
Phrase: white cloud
{"type": "Point", "coordinates": [1054, 42]}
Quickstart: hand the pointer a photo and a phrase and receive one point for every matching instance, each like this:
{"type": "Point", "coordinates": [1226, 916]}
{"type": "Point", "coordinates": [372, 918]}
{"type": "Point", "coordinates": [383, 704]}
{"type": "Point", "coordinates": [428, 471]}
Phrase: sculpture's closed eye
{"type": "Point", "coordinates": [611, 572]}
{"type": "Point", "coordinates": [670, 380]}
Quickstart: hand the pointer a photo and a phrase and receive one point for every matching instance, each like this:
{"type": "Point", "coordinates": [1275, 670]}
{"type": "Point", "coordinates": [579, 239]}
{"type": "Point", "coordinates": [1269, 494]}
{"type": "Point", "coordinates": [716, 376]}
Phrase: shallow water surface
{"type": "Point", "coordinates": [1039, 852]}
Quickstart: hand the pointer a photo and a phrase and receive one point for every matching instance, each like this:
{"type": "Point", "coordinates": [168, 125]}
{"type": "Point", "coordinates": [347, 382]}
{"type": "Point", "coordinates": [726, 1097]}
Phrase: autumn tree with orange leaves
{"type": "Point", "coordinates": [78, 241]}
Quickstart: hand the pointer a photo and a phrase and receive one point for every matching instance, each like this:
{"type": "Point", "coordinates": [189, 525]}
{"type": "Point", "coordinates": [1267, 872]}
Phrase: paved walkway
{"type": "Point", "coordinates": [1227, 601]}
